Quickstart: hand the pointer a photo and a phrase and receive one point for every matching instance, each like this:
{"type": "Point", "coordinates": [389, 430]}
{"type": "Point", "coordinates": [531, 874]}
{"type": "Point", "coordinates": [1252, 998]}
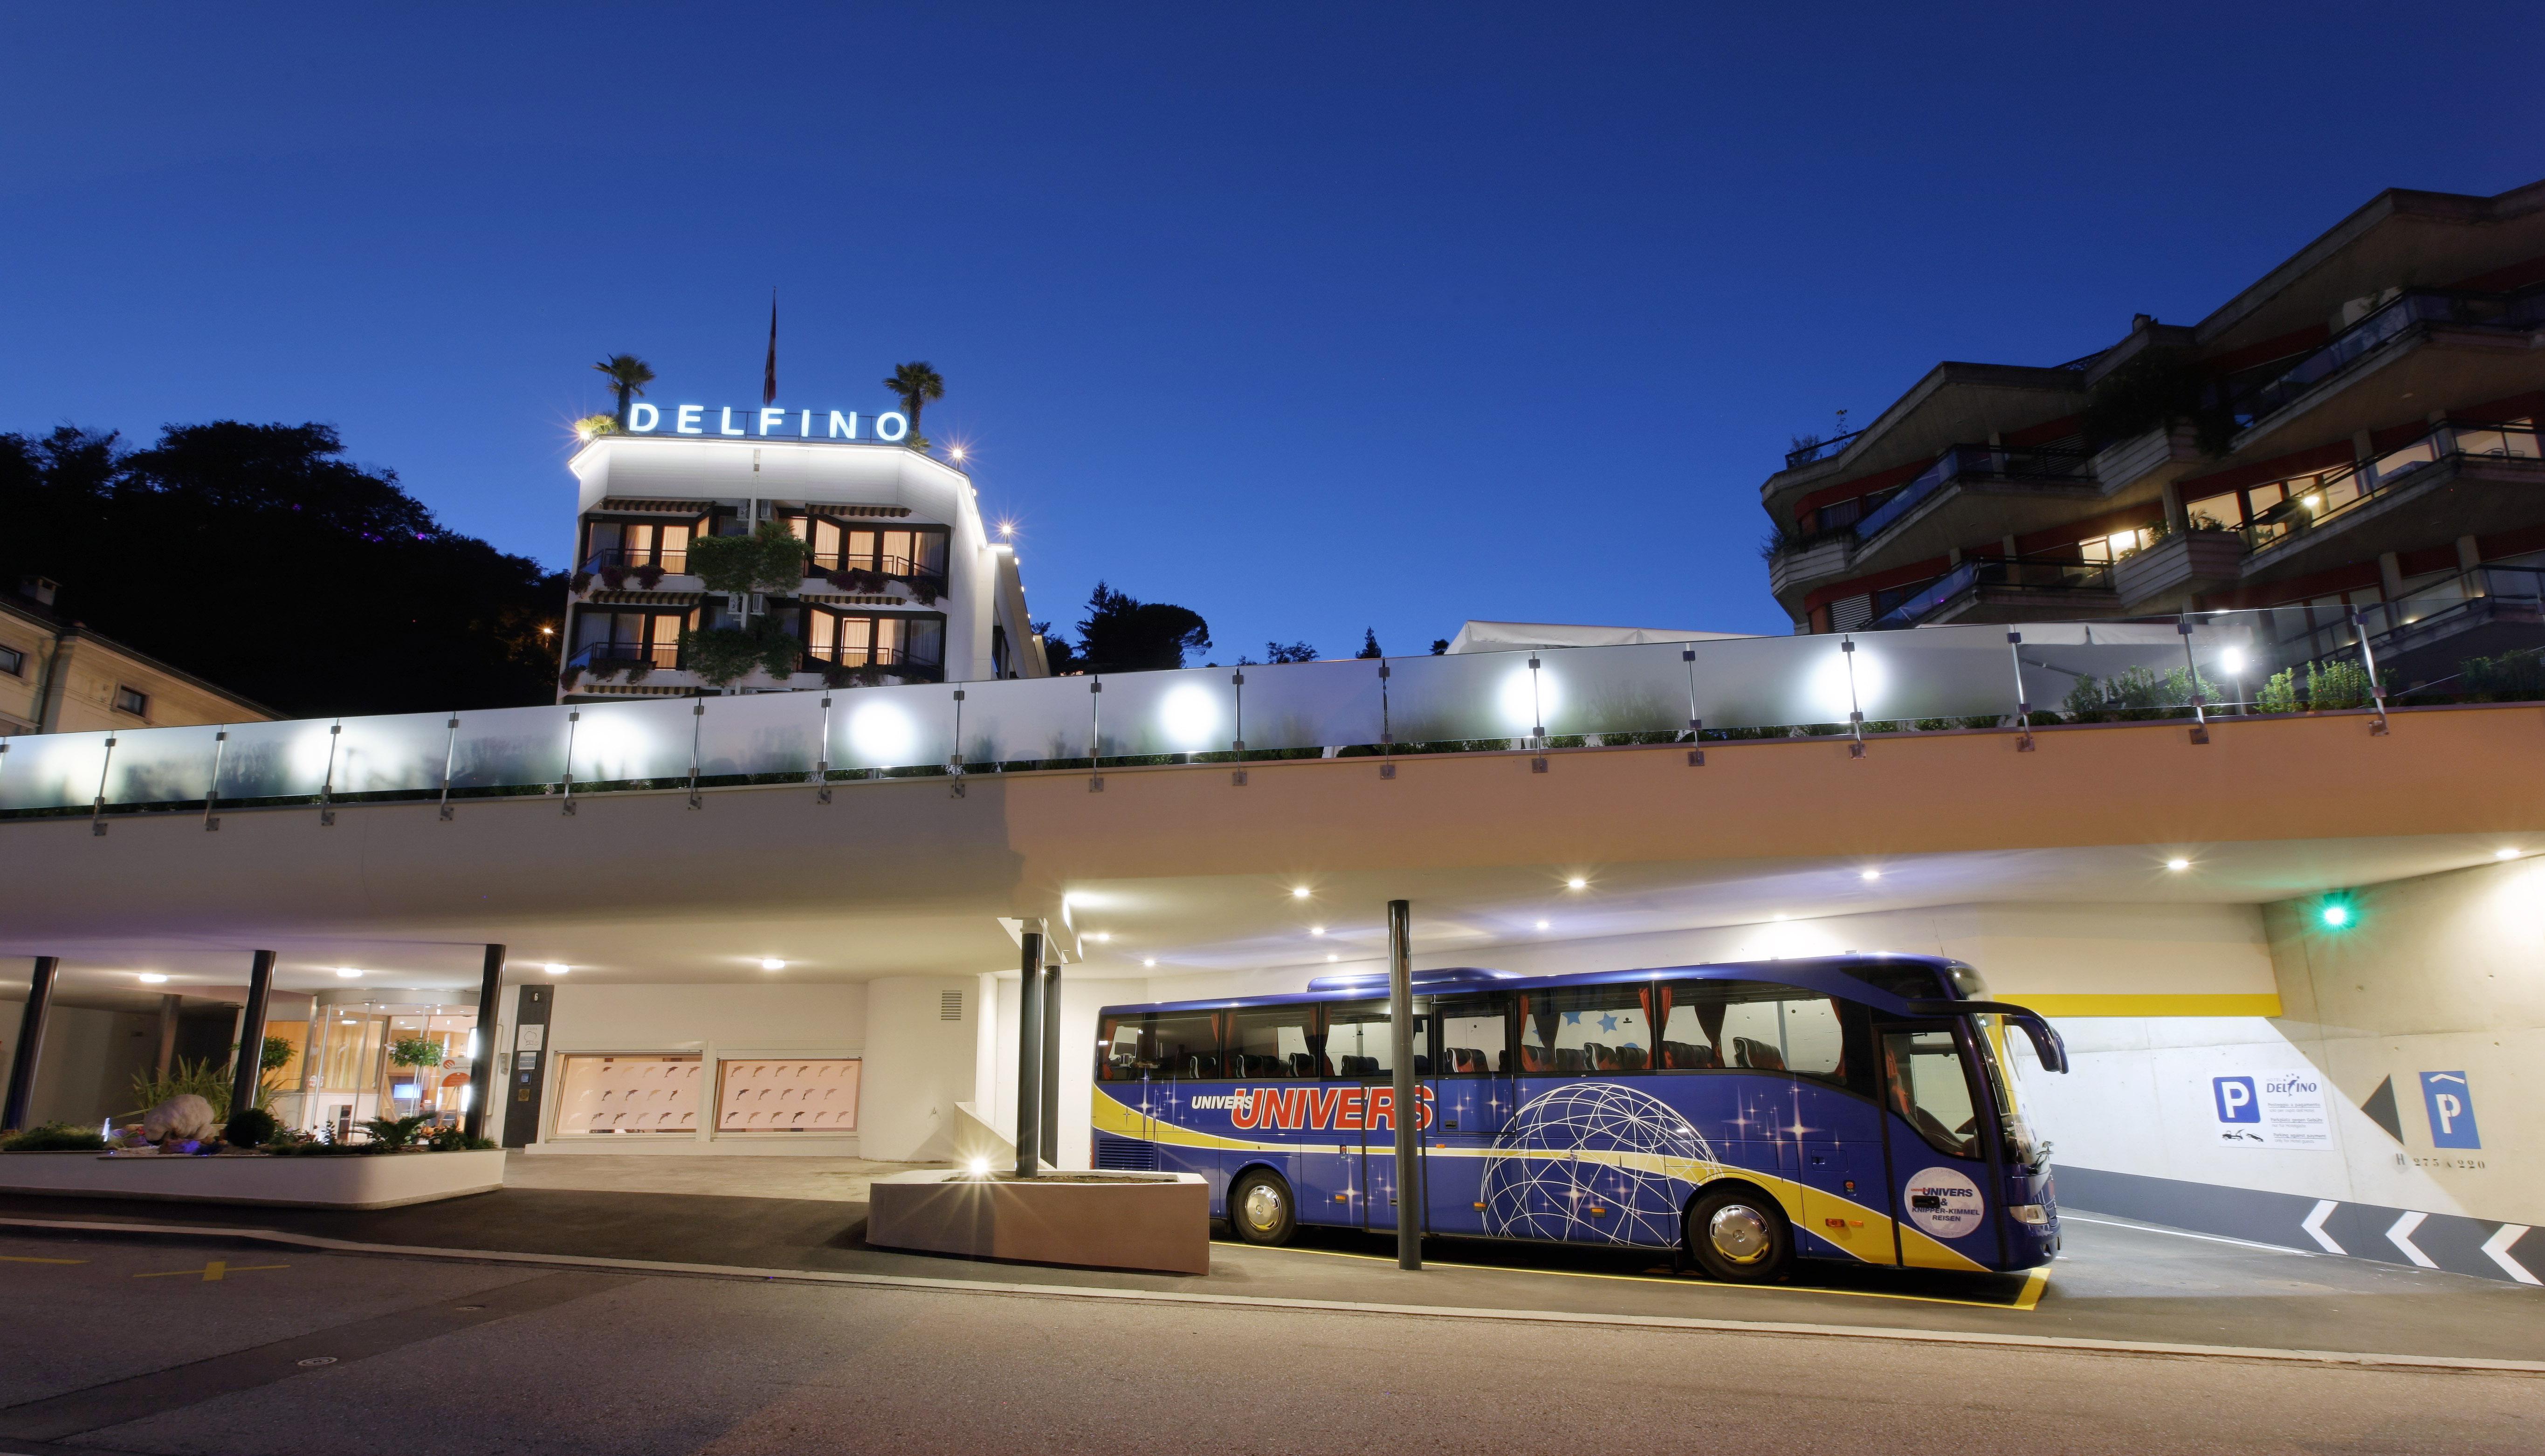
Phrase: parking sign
{"type": "Point", "coordinates": [2236, 1100]}
{"type": "Point", "coordinates": [2450, 1103]}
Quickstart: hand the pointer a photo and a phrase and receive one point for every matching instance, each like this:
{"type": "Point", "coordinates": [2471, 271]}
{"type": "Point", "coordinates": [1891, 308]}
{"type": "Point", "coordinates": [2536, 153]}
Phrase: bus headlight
{"type": "Point", "coordinates": [2029, 1213]}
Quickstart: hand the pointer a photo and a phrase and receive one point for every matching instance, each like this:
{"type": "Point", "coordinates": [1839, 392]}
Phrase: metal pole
{"type": "Point", "coordinates": [2022, 709]}
{"type": "Point", "coordinates": [481, 1067]}
{"type": "Point", "coordinates": [212, 801]}
{"type": "Point", "coordinates": [247, 1069]}
{"type": "Point", "coordinates": [1029, 1051]}
{"type": "Point", "coordinates": [30, 1041]}
{"type": "Point", "coordinates": [2191, 665]}
{"type": "Point", "coordinates": [1854, 708]}
{"type": "Point", "coordinates": [2368, 660]}
{"type": "Point", "coordinates": [1408, 1110]}
{"type": "Point", "coordinates": [1049, 1102]}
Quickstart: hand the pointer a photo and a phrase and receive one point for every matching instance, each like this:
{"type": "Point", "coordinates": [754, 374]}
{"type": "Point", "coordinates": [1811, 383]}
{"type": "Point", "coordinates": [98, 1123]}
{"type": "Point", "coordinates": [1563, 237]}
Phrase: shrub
{"type": "Point", "coordinates": [649, 576]}
{"type": "Point", "coordinates": [455, 1140]}
{"type": "Point", "coordinates": [252, 1128]}
{"type": "Point", "coordinates": [579, 583]}
{"type": "Point", "coordinates": [2512, 677]}
{"type": "Point", "coordinates": [2137, 693]}
{"type": "Point", "coordinates": [53, 1137]}
{"type": "Point", "coordinates": [394, 1133]}
{"type": "Point", "coordinates": [723, 656]}
{"type": "Point", "coordinates": [770, 559]}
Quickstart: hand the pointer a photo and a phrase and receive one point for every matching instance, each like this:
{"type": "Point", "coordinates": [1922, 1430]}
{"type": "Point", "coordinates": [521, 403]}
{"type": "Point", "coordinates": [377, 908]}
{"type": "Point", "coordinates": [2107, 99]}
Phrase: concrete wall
{"type": "Point", "coordinates": [84, 1074]}
{"type": "Point", "coordinates": [1081, 997]}
{"type": "Point", "coordinates": [918, 1066]}
{"type": "Point", "coordinates": [709, 1021]}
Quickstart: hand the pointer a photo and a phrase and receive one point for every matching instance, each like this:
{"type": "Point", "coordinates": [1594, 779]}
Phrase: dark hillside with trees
{"type": "Point", "coordinates": [258, 557]}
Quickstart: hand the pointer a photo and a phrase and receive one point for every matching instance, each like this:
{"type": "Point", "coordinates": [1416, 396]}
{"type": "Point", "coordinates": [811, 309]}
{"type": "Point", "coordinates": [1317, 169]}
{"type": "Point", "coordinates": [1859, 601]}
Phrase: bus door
{"type": "Point", "coordinates": [1939, 1147]}
{"type": "Point", "coordinates": [1359, 1044]}
{"type": "Point", "coordinates": [1186, 1066]}
{"type": "Point", "coordinates": [1474, 1092]}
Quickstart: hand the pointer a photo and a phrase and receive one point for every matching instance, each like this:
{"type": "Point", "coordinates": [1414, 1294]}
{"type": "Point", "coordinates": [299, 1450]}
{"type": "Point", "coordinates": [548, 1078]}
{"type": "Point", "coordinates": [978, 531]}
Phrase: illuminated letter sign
{"type": "Point", "coordinates": [686, 421]}
{"type": "Point", "coordinates": [891, 426]}
{"type": "Point", "coordinates": [642, 418]}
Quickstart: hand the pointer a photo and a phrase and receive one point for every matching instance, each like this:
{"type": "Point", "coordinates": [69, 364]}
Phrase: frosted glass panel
{"type": "Point", "coordinates": [51, 771]}
{"type": "Point", "coordinates": [641, 739]}
{"type": "Point", "coordinates": [160, 766]}
{"type": "Point", "coordinates": [1484, 694]}
{"type": "Point", "coordinates": [500, 747]}
{"type": "Point", "coordinates": [1641, 689]}
{"type": "Point", "coordinates": [384, 755]}
{"type": "Point", "coordinates": [892, 727]}
{"type": "Point", "coordinates": [1019, 719]}
{"type": "Point", "coordinates": [1315, 705]}
{"type": "Point", "coordinates": [762, 733]}
{"type": "Point", "coordinates": [278, 760]}
{"type": "Point", "coordinates": [1190, 711]}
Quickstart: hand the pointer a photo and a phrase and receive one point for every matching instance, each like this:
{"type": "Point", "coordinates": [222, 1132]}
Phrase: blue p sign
{"type": "Point", "coordinates": [2451, 1102]}
{"type": "Point", "coordinates": [2234, 1097]}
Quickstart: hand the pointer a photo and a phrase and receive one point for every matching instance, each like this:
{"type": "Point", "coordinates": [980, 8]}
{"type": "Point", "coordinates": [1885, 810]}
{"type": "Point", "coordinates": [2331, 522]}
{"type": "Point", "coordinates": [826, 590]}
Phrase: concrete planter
{"type": "Point", "coordinates": [1158, 1222]}
{"type": "Point", "coordinates": [375, 1180]}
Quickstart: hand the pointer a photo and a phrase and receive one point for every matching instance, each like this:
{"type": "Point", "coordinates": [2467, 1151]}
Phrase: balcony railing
{"type": "Point", "coordinates": [2521, 310]}
{"type": "Point", "coordinates": [1952, 678]}
{"type": "Point", "coordinates": [1819, 450]}
{"type": "Point", "coordinates": [602, 654]}
{"type": "Point", "coordinates": [894, 660]}
{"type": "Point", "coordinates": [1977, 463]}
{"type": "Point", "coordinates": [2326, 496]}
{"type": "Point", "coordinates": [673, 563]}
{"type": "Point", "coordinates": [2045, 575]}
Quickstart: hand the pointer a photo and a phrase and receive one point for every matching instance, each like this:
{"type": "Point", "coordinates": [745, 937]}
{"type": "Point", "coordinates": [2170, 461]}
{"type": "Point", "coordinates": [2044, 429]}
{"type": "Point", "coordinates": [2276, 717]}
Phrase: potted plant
{"type": "Point", "coordinates": [418, 1053]}
{"type": "Point", "coordinates": [579, 583]}
{"type": "Point", "coordinates": [649, 576]}
{"type": "Point", "coordinates": [613, 576]}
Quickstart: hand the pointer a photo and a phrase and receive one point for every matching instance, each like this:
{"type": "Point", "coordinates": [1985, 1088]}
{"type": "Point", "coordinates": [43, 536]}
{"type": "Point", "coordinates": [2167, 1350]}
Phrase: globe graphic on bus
{"type": "Point", "coordinates": [1616, 1192]}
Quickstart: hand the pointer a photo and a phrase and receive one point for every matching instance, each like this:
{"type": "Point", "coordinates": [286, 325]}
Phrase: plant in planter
{"type": "Point", "coordinates": [613, 576]}
{"type": "Point", "coordinates": [649, 576]}
{"type": "Point", "coordinates": [53, 1137]}
{"type": "Point", "coordinates": [209, 1080]}
{"type": "Point", "coordinates": [579, 583]}
{"type": "Point", "coordinates": [639, 671]}
{"type": "Point", "coordinates": [770, 559]}
{"type": "Point", "coordinates": [455, 1140]}
{"type": "Point", "coordinates": [857, 579]}
{"type": "Point", "coordinates": [416, 1053]}
{"type": "Point", "coordinates": [724, 656]}
{"type": "Point", "coordinates": [252, 1128]}
{"type": "Point", "coordinates": [923, 590]}
{"type": "Point", "coordinates": [389, 1134]}
{"type": "Point", "coordinates": [571, 676]}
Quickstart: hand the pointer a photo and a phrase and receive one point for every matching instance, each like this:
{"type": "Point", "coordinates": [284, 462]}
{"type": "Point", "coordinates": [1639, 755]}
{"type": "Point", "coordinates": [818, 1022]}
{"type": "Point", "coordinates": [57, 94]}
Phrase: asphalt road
{"type": "Point", "coordinates": [131, 1345]}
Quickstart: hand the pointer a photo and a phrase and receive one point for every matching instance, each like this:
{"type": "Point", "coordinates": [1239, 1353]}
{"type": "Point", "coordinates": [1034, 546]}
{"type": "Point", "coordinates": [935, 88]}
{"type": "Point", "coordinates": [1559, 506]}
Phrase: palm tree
{"type": "Point", "coordinates": [627, 374]}
{"type": "Point", "coordinates": [917, 384]}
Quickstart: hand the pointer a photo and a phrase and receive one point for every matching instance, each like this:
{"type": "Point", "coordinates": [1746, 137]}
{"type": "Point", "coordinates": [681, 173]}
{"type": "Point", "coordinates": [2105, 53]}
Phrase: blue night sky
{"type": "Point", "coordinates": [1306, 317]}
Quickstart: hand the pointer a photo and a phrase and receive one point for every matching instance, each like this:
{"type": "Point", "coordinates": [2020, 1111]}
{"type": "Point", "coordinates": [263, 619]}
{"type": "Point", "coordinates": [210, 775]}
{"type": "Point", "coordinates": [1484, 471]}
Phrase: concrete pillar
{"type": "Point", "coordinates": [2469, 554]}
{"type": "Point", "coordinates": [1029, 1006]}
{"type": "Point", "coordinates": [247, 1069]}
{"type": "Point", "coordinates": [31, 1042]}
{"type": "Point", "coordinates": [481, 1065]}
{"type": "Point", "coordinates": [2390, 575]}
{"type": "Point", "coordinates": [169, 1008]}
{"type": "Point", "coordinates": [1407, 1108]}
{"type": "Point", "coordinates": [1049, 1102]}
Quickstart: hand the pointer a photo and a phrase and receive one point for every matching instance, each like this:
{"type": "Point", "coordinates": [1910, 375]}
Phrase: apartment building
{"type": "Point", "coordinates": [58, 675]}
{"type": "Point", "coordinates": [902, 582]}
{"type": "Point", "coordinates": [2354, 438]}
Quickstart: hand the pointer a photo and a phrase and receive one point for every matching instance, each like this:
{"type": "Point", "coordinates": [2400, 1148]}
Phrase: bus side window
{"type": "Point", "coordinates": [1187, 1046]}
{"type": "Point", "coordinates": [1755, 1025]}
{"type": "Point", "coordinates": [1357, 1042]}
{"type": "Point", "coordinates": [1931, 1088]}
{"type": "Point", "coordinates": [1117, 1049]}
{"type": "Point", "coordinates": [1586, 1030]}
{"type": "Point", "coordinates": [1271, 1041]}
{"type": "Point", "coordinates": [1475, 1034]}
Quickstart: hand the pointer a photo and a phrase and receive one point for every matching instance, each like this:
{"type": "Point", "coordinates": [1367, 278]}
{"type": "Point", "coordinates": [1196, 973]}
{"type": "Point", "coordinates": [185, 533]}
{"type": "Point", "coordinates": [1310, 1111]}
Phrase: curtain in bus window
{"type": "Point", "coordinates": [1358, 1041]}
{"type": "Point", "coordinates": [1188, 1044]}
{"type": "Point", "coordinates": [1931, 1088]}
{"type": "Point", "coordinates": [1270, 1041]}
{"type": "Point", "coordinates": [1752, 1024]}
{"type": "Point", "coordinates": [1587, 1030]}
{"type": "Point", "coordinates": [1474, 1034]}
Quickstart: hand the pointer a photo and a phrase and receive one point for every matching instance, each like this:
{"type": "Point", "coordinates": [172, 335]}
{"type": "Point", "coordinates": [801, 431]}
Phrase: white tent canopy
{"type": "Point", "coordinates": [1514, 636]}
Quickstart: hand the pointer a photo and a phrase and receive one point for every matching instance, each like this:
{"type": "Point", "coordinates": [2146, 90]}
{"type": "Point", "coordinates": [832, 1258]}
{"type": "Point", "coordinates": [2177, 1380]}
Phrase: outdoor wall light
{"type": "Point", "coordinates": [954, 452]}
{"type": "Point", "coordinates": [2336, 915]}
{"type": "Point", "coordinates": [978, 1166]}
{"type": "Point", "coordinates": [1541, 924]}
{"type": "Point", "coordinates": [1779, 915]}
{"type": "Point", "coordinates": [2177, 864]}
{"type": "Point", "coordinates": [1102, 935]}
{"type": "Point", "coordinates": [1334, 957]}
{"type": "Point", "coordinates": [1006, 530]}
{"type": "Point", "coordinates": [2232, 662]}
{"type": "Point", "coordinates": [348, 973]}
{"type": "Point", "coordinates": [772, 964]}
{"type": "Point", "coordinates": [152, 977]}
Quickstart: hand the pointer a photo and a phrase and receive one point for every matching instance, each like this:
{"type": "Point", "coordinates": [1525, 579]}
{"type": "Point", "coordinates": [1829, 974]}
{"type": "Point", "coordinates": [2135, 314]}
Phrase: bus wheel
{"type": "Point", "coordinates": [1738, 1235]}
{"type": "Point", "coordinates": [1261, 1210]}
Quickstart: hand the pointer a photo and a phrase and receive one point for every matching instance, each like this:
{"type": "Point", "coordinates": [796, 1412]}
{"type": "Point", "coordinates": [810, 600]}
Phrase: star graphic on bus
{"type": "Point", "coordinates": [1607, 1022]}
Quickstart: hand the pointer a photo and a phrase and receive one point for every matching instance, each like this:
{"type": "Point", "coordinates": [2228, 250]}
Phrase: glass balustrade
{"type": "Point", "coordinates": [2478, 637]}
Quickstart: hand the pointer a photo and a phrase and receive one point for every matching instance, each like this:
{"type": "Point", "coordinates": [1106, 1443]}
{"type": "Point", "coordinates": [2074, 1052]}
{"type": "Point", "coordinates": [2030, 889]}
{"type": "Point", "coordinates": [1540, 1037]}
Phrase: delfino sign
{"type": "Point", "coordinates": [891, 426]}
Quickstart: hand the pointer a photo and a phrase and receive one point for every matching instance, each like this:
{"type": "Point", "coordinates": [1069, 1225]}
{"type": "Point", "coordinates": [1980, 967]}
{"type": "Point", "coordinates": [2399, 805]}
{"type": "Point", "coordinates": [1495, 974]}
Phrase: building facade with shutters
{"type": "Point", "coordinates": [2352, 437]}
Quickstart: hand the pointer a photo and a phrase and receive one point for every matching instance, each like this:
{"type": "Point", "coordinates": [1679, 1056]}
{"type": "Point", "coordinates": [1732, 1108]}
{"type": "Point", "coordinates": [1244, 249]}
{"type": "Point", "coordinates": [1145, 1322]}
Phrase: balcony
{"type": "Point", "coordinates": [2033, 487]}
{"type": "Point", "coordinates": [871, 663]}
{"type": "Point", "coordinates": [616, 566]}
{"type": "Point", "coordinates": [2008, 589]}
{"type": "Point", "coordinates": [868, 574]}
{"type": "Point", "coordinates": [2461, 478]}
{"type": "Point", "coordinates": [2378, 338]}
{"type": "Point", "coordinates": [2180, 566]}
{"type": "Point", "coordinates": [2423, 642]}
{"type": "Point", "coordinates": [1812, 451]}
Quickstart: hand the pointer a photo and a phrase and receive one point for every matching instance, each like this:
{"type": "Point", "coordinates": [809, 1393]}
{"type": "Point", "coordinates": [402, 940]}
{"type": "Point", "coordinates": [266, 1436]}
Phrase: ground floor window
{"type": "Point", "coordinates": [624, 1096]}
{"type": "Point", "coordinates": [788, 1094]}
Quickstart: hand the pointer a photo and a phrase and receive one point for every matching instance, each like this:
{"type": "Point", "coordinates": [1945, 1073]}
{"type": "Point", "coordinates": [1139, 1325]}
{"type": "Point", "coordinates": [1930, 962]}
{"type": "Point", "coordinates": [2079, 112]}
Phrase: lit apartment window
{"type": "Point", "coordinates": [131, 700]}
{"type": "Point", "coordinates": [13, 662]}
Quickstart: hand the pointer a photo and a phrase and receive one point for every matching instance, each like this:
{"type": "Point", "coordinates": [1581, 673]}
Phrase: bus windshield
{"type": "Point", "coordinates": [2021, 1148]}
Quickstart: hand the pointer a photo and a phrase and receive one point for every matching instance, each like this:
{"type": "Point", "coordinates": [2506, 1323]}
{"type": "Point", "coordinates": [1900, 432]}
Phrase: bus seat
{"type": "Point", "coordinates": [1631, 1058]}
{"type": "Point", "coordinates": [1537, 1059]}
{"type": "Point", "coordinates": [1361, 1065]}
{"type": "Point", "coordinates": [1303, 1065]}
{"type": "Point", "coordinates": [1570, 1061]}
{"type": "Point", "coordinates": [1466, 1059]}
{"type": "Point", "coordinates": [1685, 1056]}
{"type": "Point", "coordinates": [1598, 1057]}
{"type": "Point", "coordinates": [1421, 1065]}
{"type": "Point", "coordinates": [1758, 1055]}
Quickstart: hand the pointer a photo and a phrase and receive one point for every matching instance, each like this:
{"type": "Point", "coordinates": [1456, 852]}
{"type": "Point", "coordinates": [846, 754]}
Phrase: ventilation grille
{"type": "Point", "coordinates": [1121, 1154]}
{"type": "Point", "coordinates": [1850, 612]}
{"type": "Point", "coordinates": [950, 1006]}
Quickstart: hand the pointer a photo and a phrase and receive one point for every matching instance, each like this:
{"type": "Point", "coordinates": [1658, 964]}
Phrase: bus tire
{"type": "Point", "coordinates": [1261, 1209]}
{"type": "Point", "coordinates": [1736, 1234]}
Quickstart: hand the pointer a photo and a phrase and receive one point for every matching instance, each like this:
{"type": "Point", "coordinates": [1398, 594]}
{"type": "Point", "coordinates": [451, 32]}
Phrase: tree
{"type": "Point", "coordinates": [311, 585]}
{"type": "Point", "coordinates": [1123, 634]}
{"type": "Point", "coordinates": [1440, 647]}
{"type": "Point", "coordinates": [1289, 652]}
{"type": "Point", "coordinates": [770, 559]}
{"type": "Point", "coordinates": [1369, 643]}
{"type": "Point", "coordinates": [1057, 653]}
{"type": "Point", "coordinates": [628, 375]}
{"type": "Point", "coordinates": [916, 383]}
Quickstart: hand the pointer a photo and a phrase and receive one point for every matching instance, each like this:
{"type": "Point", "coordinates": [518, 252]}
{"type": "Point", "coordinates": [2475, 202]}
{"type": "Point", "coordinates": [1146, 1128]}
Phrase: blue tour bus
{"type": "Point", "coordinates": [1852, 1108]}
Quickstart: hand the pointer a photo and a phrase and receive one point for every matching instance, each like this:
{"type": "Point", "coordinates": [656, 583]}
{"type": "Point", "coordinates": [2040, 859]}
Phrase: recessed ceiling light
{"type": "Point", "coordinates": [1102, 935]}
{"type": "Point", "coordinates": [1870, 874]}
{"type": "Point", "coordinates": [2177, 864]}
{"type": "Point", "coordinates": [153, 978]}
{"type": "Point", "coordinates": [1298, 892]}
{"type": "Point", "coordinates": [1334, 957]}
{"type": "Point", "coordinates": [1316, 930]}
{"type": "Point", "coordinates": [1576, 883]}
{"type": "Point", "coordinates": [1779, 915]}
{"type": "Point", "coordinates": [348, 972]}
{"type": "Point", "coordinates": [1148, 960]}
{"type": "Point", "coordinates": [2504, 853]}
{"type": "Point", "coordinates": [772, 964]}
{"type": "Point", "coordinates": [1541, 924]}
{"type": "Point", "coordinates": [554, 969]}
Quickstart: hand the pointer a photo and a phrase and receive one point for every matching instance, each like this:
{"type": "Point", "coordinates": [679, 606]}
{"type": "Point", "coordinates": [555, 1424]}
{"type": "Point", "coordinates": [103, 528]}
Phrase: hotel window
{"type": "Point", "coordinates": [649, 637]}
{"type": "Point", "coordinates": [131, 700]}
{"type": "Point", "coordinates": [856, 641]}
{"type": "Point", "coordinates": [13, 662]}
{"type": "Point", "coordinates": [2218, 512]}
{"type": "Point", "coordinates": [633, 544]}
{"type": "Point", "coordinates": [2113, 547]}
{"type": "Point", "coordinates": [900, 551]}
{"type": "Point", "coordinates": [609, 1097]}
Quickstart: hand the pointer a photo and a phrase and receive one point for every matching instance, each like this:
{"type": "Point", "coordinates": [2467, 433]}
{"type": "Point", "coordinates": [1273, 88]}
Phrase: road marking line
{"type": "Point", "coordinates": [2314, 1225]}
{"type": "Point", "coordinates": [2401, 1235]}
{"type": "Point", "coordinates": [1310, 1305]}
{"type": "Point", "coordinates": [214, 1271]}
{"type": "Point", "coordinates": [1672, 1280]}
{"type": "Point", "coordinates": [2497, 1249]}
{"type": "Point", "coordinates": [11, 1259]}
{"type": "Point", "coordinates": [2072, 1218]}
{"type": "Point", "coordinates": [2033, 1284]}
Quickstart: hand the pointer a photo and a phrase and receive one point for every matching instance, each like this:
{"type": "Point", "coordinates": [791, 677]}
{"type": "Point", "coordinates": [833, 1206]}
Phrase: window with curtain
{"type": "Point", "coordinates": [1586, 1029]}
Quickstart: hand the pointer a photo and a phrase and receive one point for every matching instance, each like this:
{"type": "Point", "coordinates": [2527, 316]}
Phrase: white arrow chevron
{"type": "Point", "coordinates": [2401, 1235]}
{"type": "Point", "coordinates": [2314, 1226]}
{"type": "Point", "coordinates": [2497, 1249]}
